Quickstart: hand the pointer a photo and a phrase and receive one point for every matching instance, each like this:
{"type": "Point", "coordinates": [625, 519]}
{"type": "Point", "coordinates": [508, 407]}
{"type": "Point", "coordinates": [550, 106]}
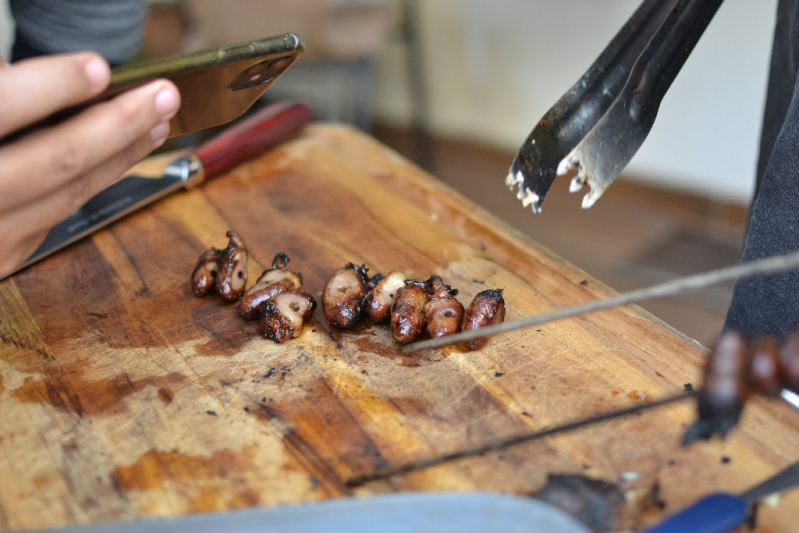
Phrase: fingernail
{"type": "Point", "coordinates": [97, 72]}
{"type": "Point", "coordinates": [167, 102]}
{"type": "Point", "coordinates": [159, 133]}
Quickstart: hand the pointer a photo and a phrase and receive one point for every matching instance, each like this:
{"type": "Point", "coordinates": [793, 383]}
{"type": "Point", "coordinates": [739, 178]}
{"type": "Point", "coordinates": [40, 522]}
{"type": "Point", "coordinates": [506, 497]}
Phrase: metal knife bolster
{"type": "Point", "coordinates": [188, 169]}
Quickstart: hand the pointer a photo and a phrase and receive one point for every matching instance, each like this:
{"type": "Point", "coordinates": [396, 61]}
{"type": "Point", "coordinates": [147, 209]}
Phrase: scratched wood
{"type": "Point", "coordinates": [123, 396]}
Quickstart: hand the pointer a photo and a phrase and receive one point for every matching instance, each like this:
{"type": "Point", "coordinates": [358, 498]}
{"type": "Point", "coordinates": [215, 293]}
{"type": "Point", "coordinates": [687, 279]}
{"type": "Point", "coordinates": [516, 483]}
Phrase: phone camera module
{"type": "Point", "coordinates": [260, 73]}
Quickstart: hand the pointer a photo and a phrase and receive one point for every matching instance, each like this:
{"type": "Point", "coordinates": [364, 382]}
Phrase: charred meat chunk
{"type": "Point", "coordinates": [487, 308]}
{"type": "Point", "coordinates": [764, 364]}
{"type": "Point", "coordinates": [378, 301]}
{"type": "Point", "coordinates": [270, 283]}
{"type": "Point", "coordinates": [442, 311]}
{"type": "Point", "coordinates": [283, 316]}
{"type": "Point", "coordinates": [232, 276]}
{"type": "Point", "coordinates": [203, 278]}
{"type": "Point", "coordinates": [725, 388]}
{"type": "Point", "coordinates": [342, 298]}
{"type": "Point", "coordinates": [407, 314]}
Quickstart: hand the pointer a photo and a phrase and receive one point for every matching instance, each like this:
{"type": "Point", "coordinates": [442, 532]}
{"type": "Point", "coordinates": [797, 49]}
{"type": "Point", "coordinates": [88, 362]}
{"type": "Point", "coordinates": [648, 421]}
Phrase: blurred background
{"type": "Point", "coordinates": [456, 85]}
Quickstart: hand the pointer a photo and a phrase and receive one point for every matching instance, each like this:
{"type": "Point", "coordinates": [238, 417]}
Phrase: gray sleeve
{"type": "Point", "coordinates": [112, 28]}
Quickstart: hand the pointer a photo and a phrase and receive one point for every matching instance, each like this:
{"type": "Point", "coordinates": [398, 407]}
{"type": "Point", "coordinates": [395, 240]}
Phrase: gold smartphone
{"type": "Point", "coordinates": [216, 86]}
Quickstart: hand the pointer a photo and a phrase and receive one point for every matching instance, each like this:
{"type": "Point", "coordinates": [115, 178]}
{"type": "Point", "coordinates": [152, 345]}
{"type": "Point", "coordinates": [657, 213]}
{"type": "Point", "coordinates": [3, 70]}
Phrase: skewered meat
{"type": "Point", "coordinates": [283, 316]}
{"type": "Point", "coordinates": [407, 314]}
{"type": "Point", "coordinates": [724, 387]}
{"type": "Point", "coordinates": [378, 301]}
{"type": "Point", "coordinates": [270, 283]}
{"type": "Point", "coordinates": [232, 276]}
{"type": "Point", "coordinates": [203, 278]}
{"type": "Point", "coordinates": [765, 367]}
{"type": "Point", "coordinates": [734, 371]}
{"type": "Point", "coordinates": [442, 311]}
{"type": "Point", "coordinates": [343, 295]}
{"type": "Point", "coordinates": [487, 308]}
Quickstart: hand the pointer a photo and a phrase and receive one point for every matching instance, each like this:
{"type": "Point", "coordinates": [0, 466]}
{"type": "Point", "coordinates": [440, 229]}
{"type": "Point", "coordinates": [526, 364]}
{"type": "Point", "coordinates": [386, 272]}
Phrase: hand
{"type": "Point", "coordinates": [47, 174]}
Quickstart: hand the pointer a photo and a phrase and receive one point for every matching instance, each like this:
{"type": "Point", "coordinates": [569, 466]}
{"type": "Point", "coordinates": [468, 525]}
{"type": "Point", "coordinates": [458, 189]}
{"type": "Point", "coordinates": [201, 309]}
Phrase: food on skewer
{"type": "Point", "coordinates": [442, 311]}
{"type": "Point", "coordinates": [407, 314]}
{"type": "Point", "coordinates": [487, 308]}
{"type": "Point", "coordinates": [283, 316]}
{"type": "Point", "coordinates": [342, 299]}
{"type": "Point", "coordinates": [735, 369]}
{"type": "Point", "coordinates": [270, 283]}
{"type": "Point", "coordinates": [379, 300]}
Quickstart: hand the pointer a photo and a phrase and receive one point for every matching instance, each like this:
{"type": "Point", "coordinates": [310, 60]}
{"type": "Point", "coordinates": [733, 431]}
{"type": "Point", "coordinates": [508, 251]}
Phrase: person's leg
{"type": "Point", "coordinates": [771, 304]}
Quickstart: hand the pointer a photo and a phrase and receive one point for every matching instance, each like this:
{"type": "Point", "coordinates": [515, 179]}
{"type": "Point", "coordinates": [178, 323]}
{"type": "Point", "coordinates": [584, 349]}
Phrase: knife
{"type": "Point", "coordinates": [250, 137]}
{"type": "Point", "coordinates": [721, 512]}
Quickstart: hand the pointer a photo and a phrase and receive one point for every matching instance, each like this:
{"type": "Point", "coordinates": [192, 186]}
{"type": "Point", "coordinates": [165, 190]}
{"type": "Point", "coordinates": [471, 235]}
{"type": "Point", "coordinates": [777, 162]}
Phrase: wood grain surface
{"type": "Point", "coordinates": [124, 396]}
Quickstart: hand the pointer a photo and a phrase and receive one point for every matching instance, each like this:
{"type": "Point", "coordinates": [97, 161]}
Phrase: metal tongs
{"type": "Point", "coordinates": [599, 124]}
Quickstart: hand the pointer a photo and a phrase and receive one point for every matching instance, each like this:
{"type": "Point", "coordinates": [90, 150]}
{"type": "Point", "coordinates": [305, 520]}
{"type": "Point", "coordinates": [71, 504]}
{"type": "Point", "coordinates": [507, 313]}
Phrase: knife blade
{"type": "Point", "coordinates": [248, 138]}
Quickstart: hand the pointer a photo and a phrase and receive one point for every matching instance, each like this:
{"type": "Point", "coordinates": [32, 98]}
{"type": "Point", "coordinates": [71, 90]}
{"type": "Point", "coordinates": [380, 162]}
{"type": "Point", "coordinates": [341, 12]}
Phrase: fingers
{"type": "Point", "coordinates": [51, 209]}
{"type": "Point", "coordinates": [128, 127]}
{"type": "Point", "coordinates": [34, 89]}
{"type": "Point", "coordinates": [48, 174]}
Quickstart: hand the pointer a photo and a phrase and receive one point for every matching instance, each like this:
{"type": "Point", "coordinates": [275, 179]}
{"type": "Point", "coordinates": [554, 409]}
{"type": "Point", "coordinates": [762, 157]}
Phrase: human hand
{"type": "Point", "coordinates": [49, 173]}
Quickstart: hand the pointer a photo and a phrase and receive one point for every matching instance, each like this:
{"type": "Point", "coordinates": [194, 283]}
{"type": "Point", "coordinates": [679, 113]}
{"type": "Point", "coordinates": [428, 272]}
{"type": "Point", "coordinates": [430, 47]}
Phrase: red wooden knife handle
{"type": "Point", "coordinates": [250, 137]}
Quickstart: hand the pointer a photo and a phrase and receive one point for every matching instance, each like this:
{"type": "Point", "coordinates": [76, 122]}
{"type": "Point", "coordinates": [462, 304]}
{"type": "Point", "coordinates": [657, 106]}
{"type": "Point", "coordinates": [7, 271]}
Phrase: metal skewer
{"type": "Point", "coordinates": [769, 265]}
{"type": "Point", "coordinates": [518, 439]}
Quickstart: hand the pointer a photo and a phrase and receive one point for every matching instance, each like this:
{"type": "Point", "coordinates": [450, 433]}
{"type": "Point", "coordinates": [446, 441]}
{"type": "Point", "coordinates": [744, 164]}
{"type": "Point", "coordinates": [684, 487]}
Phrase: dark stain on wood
{"type": "Point", "coordinates": [166, 395]}
{"type": "Point", "coordinates": [70, 392]}
{"type": "Point", "coordinates": [210, 482]}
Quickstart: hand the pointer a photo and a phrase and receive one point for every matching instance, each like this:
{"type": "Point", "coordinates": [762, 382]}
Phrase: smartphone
{"type": "Point", "coordinates": [216, 86]}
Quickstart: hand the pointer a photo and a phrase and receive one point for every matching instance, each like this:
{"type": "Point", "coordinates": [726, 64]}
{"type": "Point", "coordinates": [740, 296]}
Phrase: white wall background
{"type": "Point", "coordinates": [494, 68]}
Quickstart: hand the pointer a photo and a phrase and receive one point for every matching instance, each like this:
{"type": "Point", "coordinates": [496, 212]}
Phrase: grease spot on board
{"type": "Point", "coordinates": [68, 391]}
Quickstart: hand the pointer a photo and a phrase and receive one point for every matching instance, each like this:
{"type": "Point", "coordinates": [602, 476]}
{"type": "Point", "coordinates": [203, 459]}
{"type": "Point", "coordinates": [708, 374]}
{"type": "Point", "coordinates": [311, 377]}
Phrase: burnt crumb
{"type": "Point", "coordinates": [483, 246]}
{"type": "Point", "coordinates": [329, 419]}
{"type": "Point", "coordinates": [210, 412]}
{"type": "Point", "coordinates": [584, 282]}
{"type": "Point", "coordinates": [671, 462]}
{"type": "Point", "coordinates": [538, 330]}
{"type": "Point", "coordinates": [247, 408]}
{"type": "Point", "coordinates": [525, 413]}
{"type": "Point", "coordinates": [586, 466]}
{"type": "Point", "coordinates": [656, 497]}
{"type": "Point", "coordinates": [479, 281]}
{"type": "Point", "coordinates": [499, 374]}
{"type": "Point", "coordinates": [725, 460]}
{"type": "Point", "coordinates": [269, 373]}
{"type": "Point", "coordinates": [688, 387]}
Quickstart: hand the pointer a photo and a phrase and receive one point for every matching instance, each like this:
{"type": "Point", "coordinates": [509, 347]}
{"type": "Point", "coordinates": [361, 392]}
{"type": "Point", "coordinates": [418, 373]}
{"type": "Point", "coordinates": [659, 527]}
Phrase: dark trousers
{"type": "Point", "coordinates": [770, 305]}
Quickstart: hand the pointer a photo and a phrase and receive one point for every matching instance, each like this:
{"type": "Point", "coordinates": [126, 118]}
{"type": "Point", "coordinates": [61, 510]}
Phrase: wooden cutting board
{"type": "Point", "coordinates": [124, 396]}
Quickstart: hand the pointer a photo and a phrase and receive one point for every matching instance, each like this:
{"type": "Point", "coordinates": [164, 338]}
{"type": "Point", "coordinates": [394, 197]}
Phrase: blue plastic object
{"type": "Point", "coordinates": [717, 513]}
